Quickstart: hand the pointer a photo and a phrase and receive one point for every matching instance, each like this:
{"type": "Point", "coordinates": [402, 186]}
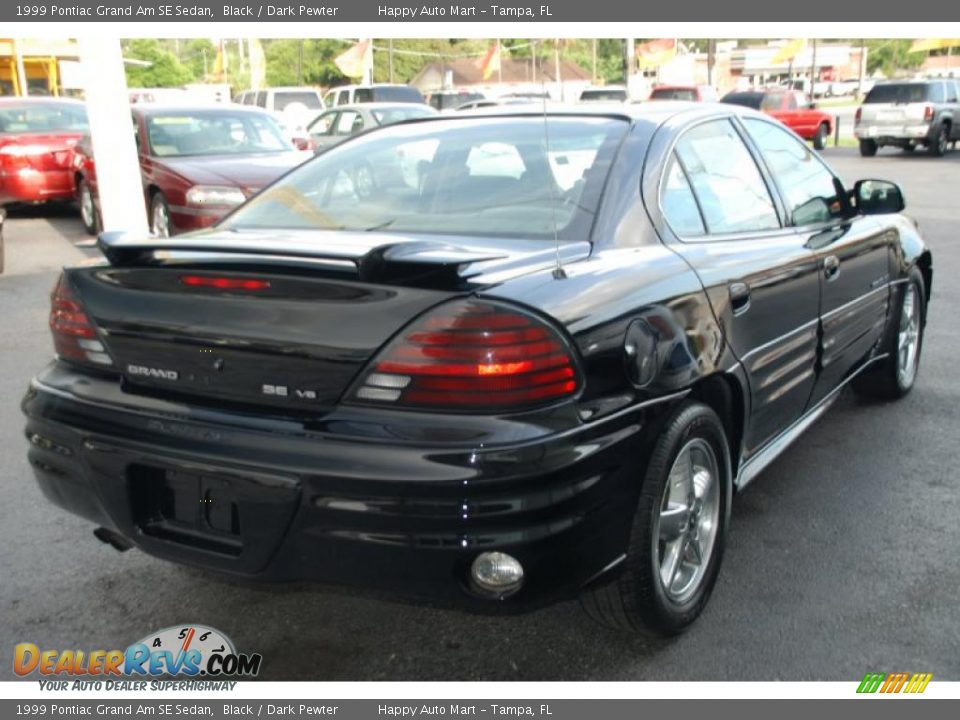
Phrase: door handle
{"type": "Point", "coordinates": [831, 267]}
{"type": "Point", "coordinates": [739, 297]}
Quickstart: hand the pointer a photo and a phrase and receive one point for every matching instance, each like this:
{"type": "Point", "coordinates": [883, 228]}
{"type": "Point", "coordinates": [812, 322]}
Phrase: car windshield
{"type": "Point", "coordinates": [42, 117]}
{"type": "Point", "coordinates": [307, 98]}
{"type": "Point", "coordinates": [898, 93]}
{"type": "Point", "coordinates": [213, 132]}
{"type": "Point", "coordinates": [483, 177]}
{"type": "Point", "coordinates": [388, 116]}
{"type": "Point", "coordinates": [746, 99]}
{"type": "Point", "coordinates": [674, 94]}
{"type": "Point", "coordinates": [602, 95]}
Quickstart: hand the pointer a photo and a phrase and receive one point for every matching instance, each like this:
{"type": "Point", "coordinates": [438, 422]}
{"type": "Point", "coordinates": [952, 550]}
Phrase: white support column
{"type": "Point", "coordinates": [122, 206]}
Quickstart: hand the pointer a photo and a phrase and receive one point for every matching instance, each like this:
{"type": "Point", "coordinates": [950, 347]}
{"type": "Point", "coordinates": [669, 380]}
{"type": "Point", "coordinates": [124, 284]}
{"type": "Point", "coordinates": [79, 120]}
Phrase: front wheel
{"type": "Point", "coordinates": [679, 530]}
{"type": "Point", "coordinates": [868, 148]}
{"type": "Point", "coordinates": [88, 210]}
{"type": "Point", "coordinates": [938, 147]}
{"type": "Point", "coordinates": [159, 215]}
{"type": "Point", "coordinates": [820, 139]}
{"type": "Point", "coordinates": [895, 375]}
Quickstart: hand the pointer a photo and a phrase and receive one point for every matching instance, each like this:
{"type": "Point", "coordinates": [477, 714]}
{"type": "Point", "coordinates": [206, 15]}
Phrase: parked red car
{"type": "Point", "coordinates": [37, 137]}
{"type": "Point", "coordinates": [196, 163]}
{"type": "Point", "coordinates": [689, 93]}
{"type": "Point", "coordinates": [792, 109]}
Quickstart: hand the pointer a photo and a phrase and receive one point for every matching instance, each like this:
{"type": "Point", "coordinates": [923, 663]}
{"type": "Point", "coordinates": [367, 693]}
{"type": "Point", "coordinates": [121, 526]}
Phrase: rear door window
{"type": "Point", "coordinates": [678, 203]}
{"type": "Point", "coordinates": [807, 185]}
{"type": "Point", "coordinates": [732, 194]}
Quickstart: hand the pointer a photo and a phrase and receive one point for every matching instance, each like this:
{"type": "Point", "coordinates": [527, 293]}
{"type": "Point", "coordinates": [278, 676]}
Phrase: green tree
{"type": "Point", "coordinates": [164, 69]}
{"type": "Point", "coordinates": [892, 57]}
{"type": "Point", "coordinates": [303, 62]}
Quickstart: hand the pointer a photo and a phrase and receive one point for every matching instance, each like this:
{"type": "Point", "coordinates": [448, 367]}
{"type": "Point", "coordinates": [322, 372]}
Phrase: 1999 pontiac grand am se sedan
{"type": "Point", "coordinates": [491, 361]}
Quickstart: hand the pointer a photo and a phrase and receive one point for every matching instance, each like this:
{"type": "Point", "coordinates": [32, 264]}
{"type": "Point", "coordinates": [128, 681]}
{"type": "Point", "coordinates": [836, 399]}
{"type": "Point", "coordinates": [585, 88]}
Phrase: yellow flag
{"type": "Point", "coordinates": [258, 64]}
{"type": "Point", "coordinates": [357, 60]}
{"type": "Point", "coordinates": [789, 51]}
{"type": "Point", "coordinates": [934, 44]}
{"type": "Point", "coordinates": [491, 61]}
{"type": "Point", "coordinates": [656, 52]}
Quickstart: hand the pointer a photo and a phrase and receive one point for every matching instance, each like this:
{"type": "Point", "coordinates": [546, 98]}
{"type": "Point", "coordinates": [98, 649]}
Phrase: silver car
{"type": "Point", "coordinates": [910, 114]}
{"type": "Point", "coordinates": [339, 123]}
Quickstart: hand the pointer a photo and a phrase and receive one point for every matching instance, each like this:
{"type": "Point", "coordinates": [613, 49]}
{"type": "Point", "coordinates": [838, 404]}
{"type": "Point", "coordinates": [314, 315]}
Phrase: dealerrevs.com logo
{"type": "Point", "coordinates": [889, 683]}
{"type": "Point", "coordinates": [183, 650]}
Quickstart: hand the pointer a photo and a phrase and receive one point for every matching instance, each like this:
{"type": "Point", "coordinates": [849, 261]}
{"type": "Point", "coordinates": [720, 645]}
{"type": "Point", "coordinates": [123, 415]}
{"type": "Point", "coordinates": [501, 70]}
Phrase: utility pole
{"type": "Point", "coordinates": [390, 57]}
{"type": "Point", "coordinates": [813, 72]}
{"type": "Point", "coordinates": [593, 72]}
{"type": "Point", "coordinates": [499, 63]}
{"type": "Point", "coordinates": [711, 59]}
{"type": "Point", "coordinates": [629, 63]}
{"type": "Point", "coordinates": [863, 66]}
{"type": "Point", "coordinates": [21, 71]}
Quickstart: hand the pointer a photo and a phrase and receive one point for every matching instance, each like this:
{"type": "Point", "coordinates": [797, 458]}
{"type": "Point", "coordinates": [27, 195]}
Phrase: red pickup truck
{"type": "Point", "coordinates": [791, 108]}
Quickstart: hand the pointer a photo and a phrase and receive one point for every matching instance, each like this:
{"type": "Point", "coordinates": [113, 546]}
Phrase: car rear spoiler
{"type": "Point", "coordinates": [365, 256]}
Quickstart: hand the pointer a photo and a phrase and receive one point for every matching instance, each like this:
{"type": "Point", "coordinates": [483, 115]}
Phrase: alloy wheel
{"type": "Point", "coordinates": [689, 520]}
{"type": "Point", "coordinates": [908, 338]}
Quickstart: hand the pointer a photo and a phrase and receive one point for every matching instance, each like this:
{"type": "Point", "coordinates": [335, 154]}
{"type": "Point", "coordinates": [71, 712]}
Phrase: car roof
{"type": "Point", "coordinates": [40, 99]}
{"type": "Point", "coordinates": [377, 106]}
{"type": "Point", "coordinates": [151, 108]}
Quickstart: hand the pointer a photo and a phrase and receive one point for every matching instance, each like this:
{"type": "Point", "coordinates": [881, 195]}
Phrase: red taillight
{"type": "Point", "coordinates": [74, 336]}
{"type": "Point", "coordinates": [928, 113]}
{"type": "Point", "coordinates": [857, 115]}
{"type": "Point", "coordinates": [224, 283]}
{"type": "Point", "coordinates": [472, 356]}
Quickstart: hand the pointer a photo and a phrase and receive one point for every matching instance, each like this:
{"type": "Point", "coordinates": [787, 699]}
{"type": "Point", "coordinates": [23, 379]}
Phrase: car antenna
{"type": "Point", "coordinates": [558, 272]}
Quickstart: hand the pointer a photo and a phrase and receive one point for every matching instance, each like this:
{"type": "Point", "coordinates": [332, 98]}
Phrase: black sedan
{"type": "Point", "coordinates": [487, 361]}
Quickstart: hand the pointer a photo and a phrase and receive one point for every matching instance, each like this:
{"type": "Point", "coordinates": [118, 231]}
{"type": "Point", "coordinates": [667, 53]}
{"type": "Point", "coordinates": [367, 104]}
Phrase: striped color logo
{"type": "Point", "coordinates": [894, 683]}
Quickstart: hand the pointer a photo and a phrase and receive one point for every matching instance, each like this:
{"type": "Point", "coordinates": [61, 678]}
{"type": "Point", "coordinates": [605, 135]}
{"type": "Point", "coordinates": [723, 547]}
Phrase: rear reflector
{"type": "Point", "coordinates": [224, 283]}
{"type": "Point", "coordinates": [473, 356]}
{"type": "Point", "coordinates": [74, 337]}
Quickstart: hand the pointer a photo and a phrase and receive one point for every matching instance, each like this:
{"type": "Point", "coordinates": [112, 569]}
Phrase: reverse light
{"type": "Point", "coordinates": [204, 195]}
{"type": "Point", "coordinates": [74, 337]}
{"type": "Point", "coordinates": [224, 283]}
{"type": "Point", "coordinates": [472, 356]}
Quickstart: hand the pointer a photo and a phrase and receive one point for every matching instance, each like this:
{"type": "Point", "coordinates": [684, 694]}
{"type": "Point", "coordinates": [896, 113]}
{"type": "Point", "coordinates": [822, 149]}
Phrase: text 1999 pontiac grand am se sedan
{"type": "Point", "coordinates": [491, 361]}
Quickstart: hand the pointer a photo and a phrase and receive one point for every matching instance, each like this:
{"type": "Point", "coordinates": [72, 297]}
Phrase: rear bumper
{"type": "Point", "coordinates": [279, 503]}
{"type": "Point", "coordinates": [895, 134]}
{"type": "Point", "coordinates": [33, 186]}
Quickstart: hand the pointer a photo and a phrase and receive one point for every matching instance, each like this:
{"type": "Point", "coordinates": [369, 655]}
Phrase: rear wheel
{"type": "Point", "coordinates": [895, 375]}
{"type": "Point", "coordinates": [678, 532]}
{"type": "Point", "coordinates": [88, 210]}
{"type": "Point", "coordinates": [159, 215]}
{"type": "Point", "coordinates": [868, 148]}
{"type": "Point", "coordinates": [938, 147]}
{"type": "Point", "coordinates": [820, 139]}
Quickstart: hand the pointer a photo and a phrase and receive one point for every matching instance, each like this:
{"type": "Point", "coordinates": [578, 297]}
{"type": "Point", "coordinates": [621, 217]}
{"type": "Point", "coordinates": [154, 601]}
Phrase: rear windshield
{"type": "Point", "coordinates": [388, 116]}
{"type": "Point", "coordinates": [304, 97]}
{"type": "Point", "coordinates": [603, 95]}
{"type": "Point", "coordinates": [395, 94]}
{"type": "Point", "coordinates": [42, 117]}
{"type": "Point", "coordinates": [746, 99]}
{"type": "Point", "coordinates": [483, 177]}
{"type": "Point", "coordinates": [674, 94]}
{"type": "Point", "coordinates": [213, 132]}
{"type": "Point", "coordinates": [898, 93]}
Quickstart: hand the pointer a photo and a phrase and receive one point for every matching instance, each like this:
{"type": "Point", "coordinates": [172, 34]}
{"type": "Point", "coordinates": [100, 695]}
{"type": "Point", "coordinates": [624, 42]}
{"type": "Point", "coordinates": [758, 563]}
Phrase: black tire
{"type": "Point", "coordinates": [820, 139]}
{"type": "Point", "coordinates": [636, 600]}
{"type": "Point", "coordinates": [88, 209]}
{"type": "Point", "coordinates": [938, 146]}
{"type": "Point", "coordinates": [868, 148]}
{"type": "Point", "coordinates": [158, 205]}
{"type": "Point", "coordinates": [885, 381]}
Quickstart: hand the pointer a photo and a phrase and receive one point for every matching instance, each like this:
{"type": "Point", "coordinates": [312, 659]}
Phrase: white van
{"type": "Point", "coordinates": [297, 105]}
{"type": "Point", "coordinates": [380, 92]}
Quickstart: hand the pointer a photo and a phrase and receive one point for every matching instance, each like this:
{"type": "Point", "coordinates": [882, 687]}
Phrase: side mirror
{"type": "Point", "coordinates": [878, 197]}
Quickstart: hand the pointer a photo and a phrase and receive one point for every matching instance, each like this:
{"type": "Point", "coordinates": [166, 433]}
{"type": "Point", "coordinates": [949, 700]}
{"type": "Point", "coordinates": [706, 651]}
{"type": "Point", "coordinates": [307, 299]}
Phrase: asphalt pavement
{"type": "Point", "coordinates": [843, 558]}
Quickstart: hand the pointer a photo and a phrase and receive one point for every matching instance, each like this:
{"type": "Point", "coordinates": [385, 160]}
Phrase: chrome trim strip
{"type": "Point", "coordinates": [856, 300]}
{"type": "Point", "coordinates": [759, 462]}
{"type": "Point", "coordinates": [771, 343]}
